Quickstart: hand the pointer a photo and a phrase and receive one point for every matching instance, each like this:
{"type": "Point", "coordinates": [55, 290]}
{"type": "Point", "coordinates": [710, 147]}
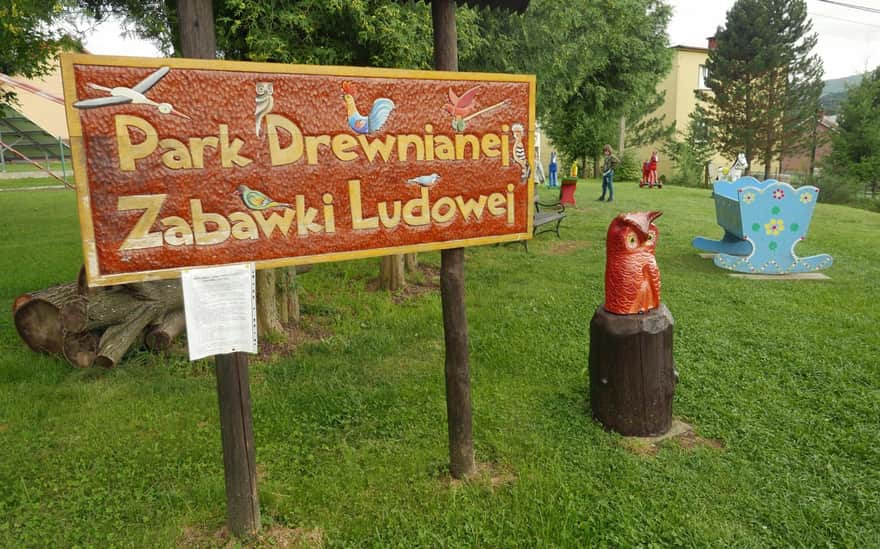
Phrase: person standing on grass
{"type": "Point", "coordinates": [611, 162]}
{"type": "Point", "coordinates": [553, 169]}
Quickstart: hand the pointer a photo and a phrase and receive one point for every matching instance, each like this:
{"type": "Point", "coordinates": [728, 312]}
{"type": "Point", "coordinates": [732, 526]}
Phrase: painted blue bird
{"type": "Point", "coordinates": [255, 200]}
{"type": "Point", "coordinates": [424, 180]}
{"type": "Point", "coordinates": [382, 107]}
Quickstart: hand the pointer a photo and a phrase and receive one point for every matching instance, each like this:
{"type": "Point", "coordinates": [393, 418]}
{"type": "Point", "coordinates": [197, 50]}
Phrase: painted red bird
{"type": "Point", "coordinates": [459, 107]}
{"type": "Point", "coordinates": [632, 278]}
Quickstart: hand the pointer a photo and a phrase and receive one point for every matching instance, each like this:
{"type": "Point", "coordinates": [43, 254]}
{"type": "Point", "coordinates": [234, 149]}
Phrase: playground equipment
{"type": "Point", "coordinates": [763, 221]}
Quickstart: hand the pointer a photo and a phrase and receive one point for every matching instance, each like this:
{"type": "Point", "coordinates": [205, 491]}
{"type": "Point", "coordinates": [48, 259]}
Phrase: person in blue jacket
{"type": "Point", "coordinates": [554, 167]}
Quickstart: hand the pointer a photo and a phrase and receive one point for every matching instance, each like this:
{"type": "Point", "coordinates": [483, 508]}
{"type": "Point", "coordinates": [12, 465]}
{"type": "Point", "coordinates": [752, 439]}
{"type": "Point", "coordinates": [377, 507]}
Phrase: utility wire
{"type": "Point", "coordinates": [847, 20]}
{"type": "Point", "coordinates": [852, 6]}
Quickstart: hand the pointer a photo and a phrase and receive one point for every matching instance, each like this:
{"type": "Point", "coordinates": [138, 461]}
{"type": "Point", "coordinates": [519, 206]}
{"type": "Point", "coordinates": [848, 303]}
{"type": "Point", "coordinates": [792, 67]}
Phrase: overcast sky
{"type": "Point", "coordinates": [849, 39]}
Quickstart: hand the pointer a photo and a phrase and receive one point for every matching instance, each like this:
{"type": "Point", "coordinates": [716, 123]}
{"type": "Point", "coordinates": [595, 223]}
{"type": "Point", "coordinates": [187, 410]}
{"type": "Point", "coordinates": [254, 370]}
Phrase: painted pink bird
{"type": "Point", "coordinates": [459, 107]}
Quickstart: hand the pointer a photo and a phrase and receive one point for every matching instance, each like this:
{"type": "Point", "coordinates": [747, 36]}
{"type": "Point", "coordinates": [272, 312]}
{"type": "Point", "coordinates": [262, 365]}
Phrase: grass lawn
{"type": "Point", "coordinates": [781, 380]}
{"type": "Point", "coordinates": [28, 167]}
{"type": "Point", "coordinates": [32, 182]}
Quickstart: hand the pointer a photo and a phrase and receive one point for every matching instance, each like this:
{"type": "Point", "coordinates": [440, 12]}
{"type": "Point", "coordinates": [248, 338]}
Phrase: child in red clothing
{"type": "Point", "coordinates": [649, 173]}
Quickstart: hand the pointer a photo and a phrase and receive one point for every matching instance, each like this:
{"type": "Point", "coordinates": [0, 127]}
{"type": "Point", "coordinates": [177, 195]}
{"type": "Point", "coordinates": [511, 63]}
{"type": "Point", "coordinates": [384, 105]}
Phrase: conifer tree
{"type": "Point", "coordinates": [764, 80]}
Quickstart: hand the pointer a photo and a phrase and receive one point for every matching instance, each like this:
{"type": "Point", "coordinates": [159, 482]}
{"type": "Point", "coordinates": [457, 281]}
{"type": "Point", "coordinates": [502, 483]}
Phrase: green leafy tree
{"type": "Point", "coordinates": [765, 83]}
{"type": "Point", "coordinates": [691, 151]}
{"type": "Point", "coordinates": [595, 62]}
{"type": "Point", "coordinates": [30, 39]}
{"type": "Point", "coordinates": [856, 144]}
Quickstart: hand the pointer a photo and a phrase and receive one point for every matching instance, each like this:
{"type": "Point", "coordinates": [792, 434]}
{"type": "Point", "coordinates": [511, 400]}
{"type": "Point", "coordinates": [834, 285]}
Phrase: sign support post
{"type": "Point", "coordinates": [457, 365]}
{"type": "Point", "coordinates": [233, 387]}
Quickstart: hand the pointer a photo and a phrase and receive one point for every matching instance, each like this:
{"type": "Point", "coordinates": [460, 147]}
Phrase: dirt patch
{"type": "Point", "coordinates": [640, 448]}
{"type": "Point", "coordinates": [4, 427]}
{"type": "Point", "coordinates": [309, 330]}
{"type": "Point", "coordinates": [568, 247]}
{"type": "Point", "coordinates": [692, 440]}
{"type": "Point", "coordinates": [492, 475]}
{"type": "Point", "coordinates": [274, 536]}
{"type": "Point", "coordinates": [425, 280]}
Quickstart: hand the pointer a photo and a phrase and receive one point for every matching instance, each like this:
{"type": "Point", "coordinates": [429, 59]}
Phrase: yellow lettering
{"type": "Point", "coordinates": [287, 155]}
{"type": "Point", "coordinates": [461, 141]}
{"type": "Point", "coordinates": [177, 156]}
{"type": "Point", "coordinates": [505, 145]}
{"type": "Point", "coordinates": [377, 146]}
{"type": "Point", "coordinates": [140, 237]}
{"type": "Point", "coordinates": [471, 207]}
{"type": "Point", "coordinates": [329, 217]}
{"type": "Point", "coordinates": [357, 213]}
{"type": "Point", "coordinates": [443, 148]}
{"type": "Point", "coordinates": [424, 215]}
{"type": "Point", "coordinates": [429, 142]}
{"type": "Point", "coordinates": [305, 218]}
{"type": "Point", "coordinates": [490, 143]}
{"type": "Point", "coordinates": [243, 226]}
{"type": "Point", "coordinates": [497, 202]}
{"type": "Point", "coordinates": [403, 143]}
{"type": "Point", "coordinates": [510, 204]}
{"type": "Point", "coordinates": [197, 149]}
{"type": "Point", "coordinates": [129, 151]}
{"type": "Point", "coordinates": [342, 145]}
{"type": "Point", "coordinates": [229, 154]}
{"type": "Point", "coordinates": [200, 220]}
{"type": "Point", "coordinates": [389, 221]}
{"type": "Point", "coordinates": [446, 202]}
{"type": "Point", "coordinates": [274, 221]}
{"type": "Point", "coordinates": [179, 232]}
{"type": "Point", "coordinates": [312, 142]}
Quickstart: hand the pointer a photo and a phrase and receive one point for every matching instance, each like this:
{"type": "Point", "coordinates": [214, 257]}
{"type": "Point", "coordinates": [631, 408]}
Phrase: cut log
{"type": "Point", "coordinates": [80, 349]}
{"type": "Point", "coordinates": [37, 317]}
{"type": "Point", "coordinates": [119, 338]}
{"type": "Point", "coordinates": [411, 262]}
{"type": "Point", "coordinates": [267, 305]}
{"type": "Point", "coordinates": [160, 335]}
{"type": "Point", "coordinates": [632, 377]}
{"type": "Point", "coordinates": [114, 306]}
{"type": "Point", "coordinates": [391, 273]}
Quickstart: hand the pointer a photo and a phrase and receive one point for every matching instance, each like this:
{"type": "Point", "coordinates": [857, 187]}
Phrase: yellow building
{"type": "Point", "coordinates": [44, 112]}
{"type": "Point", "coordinates": [687, 75]}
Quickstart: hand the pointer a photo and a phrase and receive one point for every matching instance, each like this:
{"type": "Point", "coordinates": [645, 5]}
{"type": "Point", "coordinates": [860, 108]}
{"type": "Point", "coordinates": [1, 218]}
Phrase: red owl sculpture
{"type": "Point", "coordinates": [632, 279]}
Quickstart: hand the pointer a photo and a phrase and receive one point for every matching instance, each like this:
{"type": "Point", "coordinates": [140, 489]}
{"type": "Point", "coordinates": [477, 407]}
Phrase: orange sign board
{"type": "Point", "coordinates": [183, 163]}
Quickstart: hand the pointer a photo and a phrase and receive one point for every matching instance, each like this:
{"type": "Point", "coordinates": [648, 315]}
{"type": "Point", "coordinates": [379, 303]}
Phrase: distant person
{"type": "Point", "coordinates": [608, 166]}
{"type": "Point", "coordinates": [649, 172]}
{"type": "Point", "coordinates": [553, 170]}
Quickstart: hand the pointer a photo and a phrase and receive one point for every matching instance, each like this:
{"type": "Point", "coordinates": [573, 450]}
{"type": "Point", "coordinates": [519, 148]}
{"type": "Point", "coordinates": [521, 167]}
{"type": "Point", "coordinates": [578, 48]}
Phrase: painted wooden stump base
{"type": "Point", "coordinates": [632, 376]}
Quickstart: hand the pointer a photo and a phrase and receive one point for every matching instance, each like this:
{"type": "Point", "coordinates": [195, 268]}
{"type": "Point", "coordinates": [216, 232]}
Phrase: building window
{"type": "Point", "coordinates": [702, 77]}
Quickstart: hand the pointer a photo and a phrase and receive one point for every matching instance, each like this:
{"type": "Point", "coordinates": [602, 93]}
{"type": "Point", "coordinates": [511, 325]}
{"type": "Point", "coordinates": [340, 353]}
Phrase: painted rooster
{"type": "Point", "coordinates": [382, 107]}
{"type": "Point", "coordinates": [632, 279]}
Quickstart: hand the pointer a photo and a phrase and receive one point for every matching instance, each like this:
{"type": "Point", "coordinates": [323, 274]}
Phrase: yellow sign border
{"type": "Point", "coordinates": [87, 230]}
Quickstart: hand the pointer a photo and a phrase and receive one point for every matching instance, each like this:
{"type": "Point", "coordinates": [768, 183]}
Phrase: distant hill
{"type": "Point", "coordinates": [837, 85]}
{"type": "Point", "coordinates": [835, 92]}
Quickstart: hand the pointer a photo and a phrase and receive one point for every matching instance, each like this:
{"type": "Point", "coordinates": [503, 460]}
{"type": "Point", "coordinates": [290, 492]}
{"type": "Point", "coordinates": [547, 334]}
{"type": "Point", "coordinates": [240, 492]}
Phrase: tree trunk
{"type": "Point", "coordinates": [391, 274]}
{"type": "Point", "coordinates": [411, 262]}
{"type": "Point", "coordinates": [268, 319]}
{"type": "Point", "coordinates": [80, 349]}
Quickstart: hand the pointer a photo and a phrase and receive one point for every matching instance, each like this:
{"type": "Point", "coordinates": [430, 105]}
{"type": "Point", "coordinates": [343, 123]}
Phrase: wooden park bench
{"type": "Point", "coordinates": [548, 217]}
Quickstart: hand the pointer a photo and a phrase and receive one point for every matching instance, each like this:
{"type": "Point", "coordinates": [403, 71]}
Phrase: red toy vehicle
{"type": "Point", "coordinates": [649, 173]}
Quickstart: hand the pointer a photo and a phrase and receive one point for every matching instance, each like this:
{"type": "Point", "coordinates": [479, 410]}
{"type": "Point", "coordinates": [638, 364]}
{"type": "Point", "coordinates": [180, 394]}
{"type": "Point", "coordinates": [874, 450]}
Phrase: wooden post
{"type": "Point", "coordinates": [197, 40]}
{"type": "Point", "coordinates": [458, 376]}
{"type": "Point", "coordinates": [632, 378]}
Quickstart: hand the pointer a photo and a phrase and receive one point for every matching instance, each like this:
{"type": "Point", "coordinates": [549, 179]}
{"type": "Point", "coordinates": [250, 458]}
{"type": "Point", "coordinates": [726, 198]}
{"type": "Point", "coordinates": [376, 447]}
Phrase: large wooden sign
{"type": "Point", "coordinates": [183, 163]}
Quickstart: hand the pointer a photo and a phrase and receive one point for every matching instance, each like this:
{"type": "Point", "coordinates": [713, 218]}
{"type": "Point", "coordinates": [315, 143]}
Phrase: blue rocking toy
{"type": "Point", "coordinates": [763, 221]}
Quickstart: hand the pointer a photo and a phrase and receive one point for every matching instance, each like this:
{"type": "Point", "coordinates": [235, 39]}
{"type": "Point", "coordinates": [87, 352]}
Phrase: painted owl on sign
{"type": "Point", "coordinates": [265, 102]}
{"type": "Point", "coordinates": [632, 278]}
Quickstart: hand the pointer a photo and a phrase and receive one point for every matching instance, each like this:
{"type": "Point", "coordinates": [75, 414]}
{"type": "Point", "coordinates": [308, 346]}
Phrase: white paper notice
{"type": "Point", "coordinates": [221, 310]}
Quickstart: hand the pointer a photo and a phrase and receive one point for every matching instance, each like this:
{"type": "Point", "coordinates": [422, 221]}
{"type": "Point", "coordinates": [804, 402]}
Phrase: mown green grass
{"type": "Point", "coordinates": [32, 182]}
{"type": "Point", "coordinates": [351, 429]}
{"type": "Point", "coordinates": [28, 167]}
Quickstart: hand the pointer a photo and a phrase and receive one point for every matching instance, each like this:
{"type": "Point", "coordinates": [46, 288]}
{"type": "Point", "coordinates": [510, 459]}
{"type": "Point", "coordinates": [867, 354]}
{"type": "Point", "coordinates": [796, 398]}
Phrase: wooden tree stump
{"type": "Point", "coordinates": [632, 374]}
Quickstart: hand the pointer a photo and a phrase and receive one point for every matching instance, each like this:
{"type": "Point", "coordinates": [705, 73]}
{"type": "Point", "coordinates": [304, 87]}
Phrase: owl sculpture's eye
{"type": "Point", "coordinates": [631, 241]}
{"type": "Point", "coordinates": [651, 236]}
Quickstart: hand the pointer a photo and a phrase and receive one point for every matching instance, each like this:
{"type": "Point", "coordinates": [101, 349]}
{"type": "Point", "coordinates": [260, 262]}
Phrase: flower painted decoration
{"type": "Point", "coordinates": [778, 194]}
{"type": "Point", "coordinates": [774, 227]}
{"type": "Point", "coordinates": [806, 198]}
{"type": "Point", "coordinates": [748, 197]}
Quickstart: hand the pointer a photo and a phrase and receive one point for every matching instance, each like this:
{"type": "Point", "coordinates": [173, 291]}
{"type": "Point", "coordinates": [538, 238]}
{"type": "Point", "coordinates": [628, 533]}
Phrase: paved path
{"type": "Point", "coordinates": [31, 175]}
{"type": "Point", "coordinates": [37, 188]}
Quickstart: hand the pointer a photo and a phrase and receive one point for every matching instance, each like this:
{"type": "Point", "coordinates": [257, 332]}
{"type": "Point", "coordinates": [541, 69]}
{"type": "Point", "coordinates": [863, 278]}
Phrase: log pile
{"type": "Point", "coordinates": [97, 326]}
